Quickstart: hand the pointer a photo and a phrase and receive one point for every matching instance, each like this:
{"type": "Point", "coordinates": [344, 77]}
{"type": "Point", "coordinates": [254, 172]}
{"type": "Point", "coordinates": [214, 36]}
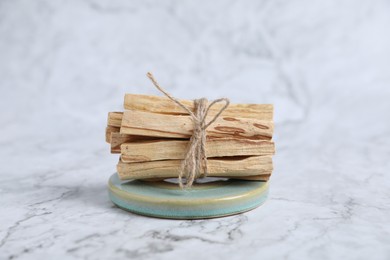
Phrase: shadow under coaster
{"type": "Point", "coordinates": [206, 200]}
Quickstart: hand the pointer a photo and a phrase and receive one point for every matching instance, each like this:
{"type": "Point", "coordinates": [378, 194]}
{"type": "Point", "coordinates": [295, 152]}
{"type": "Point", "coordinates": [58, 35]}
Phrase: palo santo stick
{"type": "Point", "coordinates": [114, 119]}
{"type": "Point", "coordinates": [164, 105]}
{"type": "Point", "coordinates": [176, 149]}
{"type": "Point", "coordinates": [248, 166]}
{"type": "Point", "coordinates": [118, 139]}
{"type": "Point", "coordinates": [109, 130]}
{"type": "Point", "coordinates": [113, 135]}
{"type": "Point", "coordinates": [152, 124]}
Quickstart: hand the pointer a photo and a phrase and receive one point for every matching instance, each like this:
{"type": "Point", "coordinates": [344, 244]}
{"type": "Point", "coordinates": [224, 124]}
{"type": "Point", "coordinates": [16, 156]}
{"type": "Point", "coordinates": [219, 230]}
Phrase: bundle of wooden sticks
{"type": "Point", "coordinates": [153, 132]}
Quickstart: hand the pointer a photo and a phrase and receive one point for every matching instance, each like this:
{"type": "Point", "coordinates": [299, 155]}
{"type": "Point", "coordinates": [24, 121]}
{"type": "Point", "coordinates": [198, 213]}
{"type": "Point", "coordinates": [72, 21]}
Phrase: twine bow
{"type": "Point", "coordinates": [194, 164]}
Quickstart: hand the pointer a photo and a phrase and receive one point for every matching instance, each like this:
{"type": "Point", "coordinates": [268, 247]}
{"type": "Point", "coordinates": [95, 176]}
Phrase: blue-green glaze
{"type": "Point", "coordinates": [167, 200]}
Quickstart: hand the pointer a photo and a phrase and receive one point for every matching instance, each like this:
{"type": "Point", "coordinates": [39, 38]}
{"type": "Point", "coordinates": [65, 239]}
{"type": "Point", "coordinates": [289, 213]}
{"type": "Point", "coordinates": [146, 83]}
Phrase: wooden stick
{"type": "Point", "coordinates": [164, 105]}
{"type": "Point", "coordinates": [114, 119]}
{"type": "Point", "coordinates": [117, 139]}
{"type": "Point", "coordinates": [248, 166]}
{"type": "Point", "coordinates": [176, 149]}
{"type": "Point", "coordinates": [113, 135]}
{"type": "Point", "coordinates": [109, 130]}
{"type": "Point", "coordinates": [174, 126]}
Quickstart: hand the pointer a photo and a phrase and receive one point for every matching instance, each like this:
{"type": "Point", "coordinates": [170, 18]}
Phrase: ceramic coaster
{"type": "Point", "coordinates": [205, 200]}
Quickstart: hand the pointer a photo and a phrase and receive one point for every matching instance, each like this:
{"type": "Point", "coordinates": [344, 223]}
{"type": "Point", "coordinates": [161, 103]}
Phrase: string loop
{"type": "Point", "coordinates": [194, 164]}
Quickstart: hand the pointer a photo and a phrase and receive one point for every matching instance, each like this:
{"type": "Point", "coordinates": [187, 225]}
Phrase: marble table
{"type": "Point", "coordinates": [324, 65]}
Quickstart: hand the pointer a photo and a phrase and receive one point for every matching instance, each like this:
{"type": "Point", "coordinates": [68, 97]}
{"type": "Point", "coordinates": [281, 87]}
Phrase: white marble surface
{"type": "Point", "coordinates": [324, 64]}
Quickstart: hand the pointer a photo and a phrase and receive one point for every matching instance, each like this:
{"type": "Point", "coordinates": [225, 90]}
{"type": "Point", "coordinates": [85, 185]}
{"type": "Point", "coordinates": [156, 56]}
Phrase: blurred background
{"type": "Point", "coordinates": [325, 65]}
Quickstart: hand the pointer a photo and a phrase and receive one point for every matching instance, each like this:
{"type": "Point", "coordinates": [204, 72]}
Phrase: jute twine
{"type": "Point", "coordinates": [194, 164]}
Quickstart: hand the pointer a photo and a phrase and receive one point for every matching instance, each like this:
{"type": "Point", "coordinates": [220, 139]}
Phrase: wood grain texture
{"type": "Point", "coordinates": [164, 105]}
{"type": "Point", "coordinates": [114, 119]}
{"type": "Point", "coordinates": [240, 167]}
{"type": "Point", "coordinates": [109, 130]}
{"type": "Point", "coordinates": [117, 139]}
{"type": "Point", "coordinates": [180, 126]}
{"type": "Point", "coordinates": [176, 149]}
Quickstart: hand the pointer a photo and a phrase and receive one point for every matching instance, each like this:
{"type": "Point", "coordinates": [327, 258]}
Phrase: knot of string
{"type": "Point", "coordinates": [194, 164]}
